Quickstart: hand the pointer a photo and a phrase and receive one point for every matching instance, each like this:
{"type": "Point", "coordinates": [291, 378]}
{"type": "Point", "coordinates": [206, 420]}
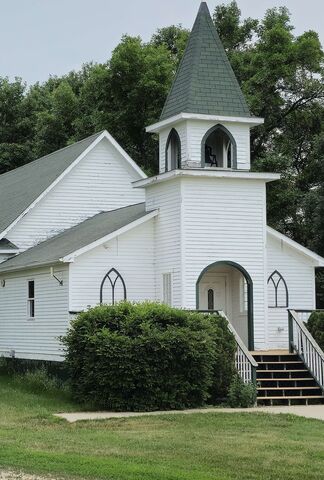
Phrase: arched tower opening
{"type": "Point", "coordinates": [173, 151]}
{"type": "Point", "coordinates": [218, 148]}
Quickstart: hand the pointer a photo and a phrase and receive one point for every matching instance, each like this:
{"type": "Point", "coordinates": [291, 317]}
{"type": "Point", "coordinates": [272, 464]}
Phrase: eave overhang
{"type": "Point", "coordinates": [9, 251]}
{"type": "Point", "coordinates": [317, 259]}
{"type": "Point", "coordinates": [157, 127]}
{"type": "Point", "coordinates": [206, 173]}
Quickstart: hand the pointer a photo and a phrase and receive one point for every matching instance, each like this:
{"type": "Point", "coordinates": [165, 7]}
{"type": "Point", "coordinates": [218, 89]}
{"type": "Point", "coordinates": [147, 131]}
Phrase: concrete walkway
{"type": "Point", "coordinates": [311, 411]}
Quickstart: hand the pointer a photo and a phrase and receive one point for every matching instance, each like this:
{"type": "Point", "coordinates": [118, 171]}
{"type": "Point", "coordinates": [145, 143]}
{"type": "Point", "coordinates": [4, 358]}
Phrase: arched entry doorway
{"type": "Point", "coordinates": [227, 286]}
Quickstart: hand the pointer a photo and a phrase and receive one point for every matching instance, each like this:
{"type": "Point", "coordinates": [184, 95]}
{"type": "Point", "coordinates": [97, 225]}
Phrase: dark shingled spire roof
{"type": "Point", "coordinates": [205, 82]}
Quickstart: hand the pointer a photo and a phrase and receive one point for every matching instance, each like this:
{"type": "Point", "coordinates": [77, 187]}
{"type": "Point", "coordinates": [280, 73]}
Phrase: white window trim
{"type": "Point", "coordinates": [171, 289]}
{"type": "Point", "coordinates": [29, 299]}
{"type": "Point", "coordinates": [243, 295]}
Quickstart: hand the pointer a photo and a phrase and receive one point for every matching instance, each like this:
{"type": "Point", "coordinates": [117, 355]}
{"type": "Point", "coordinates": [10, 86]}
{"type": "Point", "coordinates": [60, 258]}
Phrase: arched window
{"type": "Point", "coordinates": [116, 290]}
{"type": "Point", "coordinates": [277, 291]}
{"type": "Point", "coordinates": [173, 151]}
{"type": "Point", "coordinates": [218, 148]}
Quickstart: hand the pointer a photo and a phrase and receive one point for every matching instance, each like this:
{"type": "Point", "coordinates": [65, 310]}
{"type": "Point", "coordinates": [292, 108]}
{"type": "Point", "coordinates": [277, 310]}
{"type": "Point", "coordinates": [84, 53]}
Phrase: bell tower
{"type": "Point", "coordinates": [205, 122]}
{"type": "Point", "coordinates": [210, 233]}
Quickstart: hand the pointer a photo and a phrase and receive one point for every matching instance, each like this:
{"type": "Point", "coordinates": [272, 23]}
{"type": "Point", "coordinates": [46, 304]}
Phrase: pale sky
{"type": "Point", "coordinates": [43, 37]}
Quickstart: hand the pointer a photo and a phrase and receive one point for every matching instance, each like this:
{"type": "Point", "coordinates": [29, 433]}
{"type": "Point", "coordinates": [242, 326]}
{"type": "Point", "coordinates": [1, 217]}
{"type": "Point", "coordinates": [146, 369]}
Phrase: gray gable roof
{"type": "Point", "coordinates": [205, 82]}
{"type": "Point", "coordinates": [19, 188]}
{"type": "Point", "coordinates": [79, 236]}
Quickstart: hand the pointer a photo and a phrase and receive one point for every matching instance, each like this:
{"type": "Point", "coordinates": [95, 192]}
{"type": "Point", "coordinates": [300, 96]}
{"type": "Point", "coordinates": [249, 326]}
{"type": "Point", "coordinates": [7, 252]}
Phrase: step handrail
{"type": "Point", "coordinates": [244, 361]}
{"type": "Point", "coordinates": [303, 343]}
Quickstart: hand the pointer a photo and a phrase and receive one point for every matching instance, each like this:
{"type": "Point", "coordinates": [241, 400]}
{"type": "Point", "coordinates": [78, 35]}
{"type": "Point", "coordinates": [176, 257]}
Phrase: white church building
{"type": "Point", "coordinates": [85, 225]}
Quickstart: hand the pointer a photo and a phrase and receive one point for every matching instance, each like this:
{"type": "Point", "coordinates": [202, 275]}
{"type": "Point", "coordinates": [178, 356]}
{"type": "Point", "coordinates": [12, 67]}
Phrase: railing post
{"type": "Point", "coordinates": [290, 332]}
{"type": "Point", "coordinates": [253, 368]}
{"type": "Point", "coordinates": [245, 363]}
{"type": "Point", "coordinates": [306, 347]}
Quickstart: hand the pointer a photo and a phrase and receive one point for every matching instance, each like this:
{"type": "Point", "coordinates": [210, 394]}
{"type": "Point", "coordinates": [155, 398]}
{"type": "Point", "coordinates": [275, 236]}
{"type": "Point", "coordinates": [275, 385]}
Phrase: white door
{"type": "Point", "coordinates": [213, 295]}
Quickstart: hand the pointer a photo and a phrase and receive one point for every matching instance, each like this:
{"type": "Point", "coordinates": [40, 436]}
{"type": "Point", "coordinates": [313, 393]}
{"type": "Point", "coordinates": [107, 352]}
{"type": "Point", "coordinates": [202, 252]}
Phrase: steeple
{"type": "Point", "coordinates": [205, 82]}
{"type": "Point", "coordinates": [205, 122]}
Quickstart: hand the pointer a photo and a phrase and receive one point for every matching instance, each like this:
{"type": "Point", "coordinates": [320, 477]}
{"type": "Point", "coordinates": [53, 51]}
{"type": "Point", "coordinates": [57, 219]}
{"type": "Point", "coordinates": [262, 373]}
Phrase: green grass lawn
{"type": "Point", "coordinates": [187, 447]}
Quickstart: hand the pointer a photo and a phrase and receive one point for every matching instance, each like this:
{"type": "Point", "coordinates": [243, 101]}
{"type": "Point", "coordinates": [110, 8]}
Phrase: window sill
{"type": "Point", "coordinates": [278, 307]}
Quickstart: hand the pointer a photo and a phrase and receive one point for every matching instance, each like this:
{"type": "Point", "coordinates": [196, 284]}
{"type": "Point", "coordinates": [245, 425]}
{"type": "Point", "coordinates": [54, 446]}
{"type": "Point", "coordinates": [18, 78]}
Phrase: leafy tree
{"type": "Point", "coordinates": [146, 72]}
{"type": "Point", "coordinates": [95, 102]}
{"type": "Point", "coordinates": [174, 38]}
{"type": "Point", "coordinates": [54, 126]}
{"type": "Point", "coordinates": [15, 125]}
{"type": "Point", "coordinates": [126, 94]}
{"type": "Point", "coordinates": [235, 35]}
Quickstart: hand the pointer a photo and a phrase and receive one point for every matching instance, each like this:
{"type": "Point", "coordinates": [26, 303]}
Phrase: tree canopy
{"type": "Point", "coordinates": [281, 75]}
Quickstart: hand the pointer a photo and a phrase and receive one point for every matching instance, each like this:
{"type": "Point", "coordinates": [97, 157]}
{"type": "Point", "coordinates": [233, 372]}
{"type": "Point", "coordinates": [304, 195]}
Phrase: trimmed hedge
{"type": "Point", "coordinates": [315, 326]}
{"type": "Point", "coordinates": [148, 356]}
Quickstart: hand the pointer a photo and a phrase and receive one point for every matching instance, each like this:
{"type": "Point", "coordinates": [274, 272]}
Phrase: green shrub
{"type": "Point", "coordinates": [241, 394]}
{"type": "Point", "coordinates": [315, 326]}
{"type": "Point", "coordinates": [18, 366]}
{"type": "Point", "coordinates": [148, 356]}
{"type": "Point", "coordinates": [40, 381]}
{"type": "Point", "coordinates": [37, 381]}
{"type": "Point", "coordinates": [7, 365]}
{"type": "Point", "coordinates": [3, 365]}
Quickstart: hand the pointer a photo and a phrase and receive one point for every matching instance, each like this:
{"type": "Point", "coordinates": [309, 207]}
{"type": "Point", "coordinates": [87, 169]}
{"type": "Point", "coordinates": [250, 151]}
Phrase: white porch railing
{"type": "Point", "coordinates": [302, 342]}
{"type": "Point", "coordinates": [303, 315]}
{"type": "Point", "coordinates": [244, 362]}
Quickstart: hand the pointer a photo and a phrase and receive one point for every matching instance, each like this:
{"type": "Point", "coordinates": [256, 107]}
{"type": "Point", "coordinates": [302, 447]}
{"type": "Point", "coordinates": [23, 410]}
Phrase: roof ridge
{"type": "Point", "coordinates": [49, 154]}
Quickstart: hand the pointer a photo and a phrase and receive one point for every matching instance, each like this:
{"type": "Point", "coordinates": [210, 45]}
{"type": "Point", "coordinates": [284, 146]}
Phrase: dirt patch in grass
{"type": "Point", "coordinates": [11, 475]}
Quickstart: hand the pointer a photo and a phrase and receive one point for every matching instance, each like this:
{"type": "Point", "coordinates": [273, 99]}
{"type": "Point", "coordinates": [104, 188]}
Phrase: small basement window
{"type": "Point", "coordinates": [31, 299]}
{"type": "Point", "coordinates": [167, 289]}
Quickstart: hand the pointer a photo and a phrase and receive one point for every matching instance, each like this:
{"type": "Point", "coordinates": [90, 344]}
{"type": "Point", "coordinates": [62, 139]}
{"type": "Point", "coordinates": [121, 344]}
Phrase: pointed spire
{"type": "Point", "coordinates": [203, 8]}
{"type": "Point", "coordinates": [205, 82]}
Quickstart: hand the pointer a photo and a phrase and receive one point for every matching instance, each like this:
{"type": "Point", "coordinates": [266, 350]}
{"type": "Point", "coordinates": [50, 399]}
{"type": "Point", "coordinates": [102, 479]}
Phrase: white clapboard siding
{"type": "Point", "coordinates": [37, 338]}
{"type": "Point", "coordinates": [191, 133]}
{"type": "Point", "coordinates": [224, 220]}
{"type": "Point", "coordinates": [167, 235]}
{"type": "Point", "coordinates": [100, 182]}
{"type": "Point", "coordinates": [132, 254]}
{"type": "Point", "coordinates": [299, 274]}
